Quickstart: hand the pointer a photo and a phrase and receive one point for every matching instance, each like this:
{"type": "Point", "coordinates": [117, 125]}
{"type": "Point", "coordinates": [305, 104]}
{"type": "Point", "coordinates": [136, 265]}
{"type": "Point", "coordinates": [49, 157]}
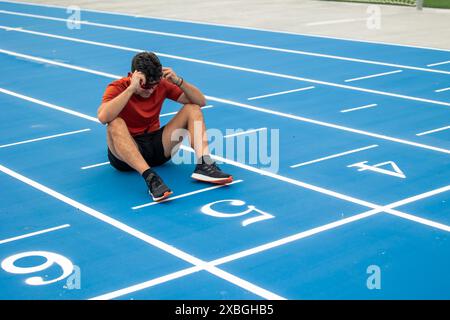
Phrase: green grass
{"type": "Point", "coordinates": [437, 4]}
{"type": "Point", "coordinates": [445, 4]}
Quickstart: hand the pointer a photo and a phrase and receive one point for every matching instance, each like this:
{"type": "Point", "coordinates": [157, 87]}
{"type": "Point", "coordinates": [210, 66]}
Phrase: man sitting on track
{"type": "Point", "coordinates": [131, 107]}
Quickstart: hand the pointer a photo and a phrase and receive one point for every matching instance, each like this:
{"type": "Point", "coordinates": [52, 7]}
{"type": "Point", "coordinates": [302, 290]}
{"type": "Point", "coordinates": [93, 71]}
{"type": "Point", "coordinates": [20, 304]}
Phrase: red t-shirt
{"type": "Point", "coordinates": [142, 114]}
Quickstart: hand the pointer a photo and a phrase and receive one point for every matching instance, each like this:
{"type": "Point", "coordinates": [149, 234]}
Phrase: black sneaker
{"type": "Point", "coordinates": [156, 187]}
{"type": "Point", "coordinates": [208, 171]}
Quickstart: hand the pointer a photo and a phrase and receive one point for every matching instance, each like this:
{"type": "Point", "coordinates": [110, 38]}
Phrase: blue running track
{"type": "Point", "coordinates": [356, 206]}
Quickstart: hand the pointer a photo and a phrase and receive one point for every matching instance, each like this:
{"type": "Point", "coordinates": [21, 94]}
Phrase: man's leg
{"type": "Point", "coordinates": [190, 117]}
{"type": "Point", "coordinates": [123, 147]}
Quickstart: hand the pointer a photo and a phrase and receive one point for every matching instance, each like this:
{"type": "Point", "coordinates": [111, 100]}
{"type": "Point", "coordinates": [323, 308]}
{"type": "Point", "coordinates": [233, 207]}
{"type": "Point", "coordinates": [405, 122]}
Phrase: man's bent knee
{"type": "Point", "coordinates": [193, 110]}
{"type": "Point", "coordinates": [192, 107]}
{"type": "Point", "coordinates": [116, 124]}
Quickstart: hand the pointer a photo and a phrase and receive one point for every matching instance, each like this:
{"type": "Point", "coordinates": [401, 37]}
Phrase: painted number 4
{"type": "Point", "coordinates": [261, 215]}
{"type": "Point", "coordinates": [389, 167]}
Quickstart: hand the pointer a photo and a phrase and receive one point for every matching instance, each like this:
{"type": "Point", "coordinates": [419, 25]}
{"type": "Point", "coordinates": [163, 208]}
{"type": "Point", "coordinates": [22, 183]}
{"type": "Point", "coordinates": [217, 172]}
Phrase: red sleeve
{"type": "Point", "coordinates": [112, 91]}
{"type": "Point", "coordinates": [173, 92]}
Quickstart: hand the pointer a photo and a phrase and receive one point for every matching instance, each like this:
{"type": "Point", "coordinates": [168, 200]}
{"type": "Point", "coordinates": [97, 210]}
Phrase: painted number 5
{"type": "Point", "coordinates": [207, 209]}
{"type": "Point", "coordinates": [9, 266]}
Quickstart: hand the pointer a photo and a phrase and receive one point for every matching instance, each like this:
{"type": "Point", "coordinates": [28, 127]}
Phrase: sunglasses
{"type": "Point", "coordinates": [148, 86]}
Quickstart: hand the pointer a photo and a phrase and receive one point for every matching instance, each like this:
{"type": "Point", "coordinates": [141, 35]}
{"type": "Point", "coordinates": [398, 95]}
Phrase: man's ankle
{"type": "Point", "coordinates": [147, 172]}
{"type": "Point", "coordinates": [205, 159]}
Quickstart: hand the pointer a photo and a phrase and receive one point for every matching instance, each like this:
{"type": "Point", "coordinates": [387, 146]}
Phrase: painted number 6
{"type": "Point", "coordinates": [207, 209]}
{"type": "Point", "coordinates": [51, 258]}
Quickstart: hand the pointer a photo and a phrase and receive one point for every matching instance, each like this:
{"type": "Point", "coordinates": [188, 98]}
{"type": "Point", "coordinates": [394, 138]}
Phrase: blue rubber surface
{"type": "Point", "coordinates": [328, 223]}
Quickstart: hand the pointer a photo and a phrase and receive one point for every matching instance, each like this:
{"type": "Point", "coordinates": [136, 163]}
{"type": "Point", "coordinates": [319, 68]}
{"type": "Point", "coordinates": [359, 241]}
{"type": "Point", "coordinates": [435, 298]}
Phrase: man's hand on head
{"type": "Point", "coordinates": [137, 78]}
{"type": "Point", "coordinates": [170, 75]}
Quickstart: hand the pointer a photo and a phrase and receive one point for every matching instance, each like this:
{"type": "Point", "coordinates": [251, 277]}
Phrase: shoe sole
{"type": "Point", "coordinates": [164, 196]}
{"type": "Point", "coordinates": [203, 178]}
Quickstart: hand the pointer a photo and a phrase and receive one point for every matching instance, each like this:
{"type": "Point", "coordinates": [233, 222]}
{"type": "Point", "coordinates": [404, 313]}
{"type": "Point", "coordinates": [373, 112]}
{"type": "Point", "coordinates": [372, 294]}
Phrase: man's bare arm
{"type": "Point", "coordinates": [108, 111]}
{"type": "Point", "coordinates": [191, 94]}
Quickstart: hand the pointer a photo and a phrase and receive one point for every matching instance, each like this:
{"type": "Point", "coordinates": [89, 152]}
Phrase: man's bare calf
{"type": "Point", "coordinates": [123, 146]}
{"type": "Point", "coordinates": [189, 117]}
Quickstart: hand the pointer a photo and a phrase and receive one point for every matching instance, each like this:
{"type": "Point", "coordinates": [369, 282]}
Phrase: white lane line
{"type": "Point", "coordinates": [327, 124]}
{"type": "Point", "coordinates": [294, 237]}
{"type": "Point", "coordinates": [420, 220]}
{"type": "Point", "coordinates": [438, 63]}
{"type": "Point", "coordinates": [168, 114]}
{"type": "Point", "coordinates": [320, 23]}
{"type": "Point", "coordinates": [232, 43]}
{"type": "Point", "coordinates": [14, 29]}
{"type": "Point", "coordinates": [359, 108]}
{"type": "Point", "coordinates": [44, 138]}
{"type": "Point", "coordinates": [433, 131]}
{"type": "Point", "coordinates": [184, 195]}
{"type": "Point", "coordinates": [239, 255]}
{"type": "Point", "coordinates": [388, 208]}
{"type": "Point", "coordinates": [281, 93]}
{"type": "Point", "coordinates": [287, 240]}
{"type": "Point", "coordinates": [243, 132]}
{"type": "Point", "coordinates": [289, 180]}
{"type": "Point", "coordinates": [442, 90]}
{"type": "Point", "coordinates": [226, 66]}
{"type": "Point", "coordinates": [418, 197]}
{"type": "Point", "coordinates": [56, 63]}
{"type": "Point", "coordinates": [32, 234]}
{"type": "Point", "coordinates": [175, 112]}
{"type": "Point", "coordinates": [374, 75]}
{"type": "Point", "coordinates": [147, 284]}
{"type": "Point", "coordinates": [231, 26]}
{"type": "Point", "coordinates": [95, 165]}
{"type": "Point", "coordinates": [48, 105]}
{"type": "Point", "coordinates": [247, 106]}
{"type": "Point", "coordinates": [334, 156]}
{"type": "Point", "coordinates": [144, 237]}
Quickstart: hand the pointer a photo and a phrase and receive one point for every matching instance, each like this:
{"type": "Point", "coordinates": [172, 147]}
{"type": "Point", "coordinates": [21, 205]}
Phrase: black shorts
{"type": "Point", "coordinates": [150, 146]}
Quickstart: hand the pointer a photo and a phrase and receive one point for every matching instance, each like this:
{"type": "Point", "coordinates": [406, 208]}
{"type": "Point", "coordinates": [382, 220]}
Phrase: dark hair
{"type": "Point", "coordinates": [147, 63]}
